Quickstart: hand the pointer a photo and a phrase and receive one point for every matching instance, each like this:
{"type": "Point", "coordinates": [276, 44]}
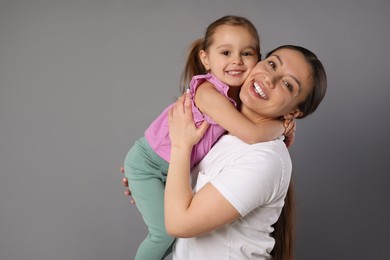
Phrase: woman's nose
{"type": "Point", "coordinates": [269, 81]}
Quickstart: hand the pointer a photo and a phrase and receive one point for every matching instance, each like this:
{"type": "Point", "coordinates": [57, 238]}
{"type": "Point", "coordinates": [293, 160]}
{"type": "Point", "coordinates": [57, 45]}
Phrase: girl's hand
{"type": "Point", "coordinates": [289, 132]}
{"type": "Point", "coordinates": [182, 129]}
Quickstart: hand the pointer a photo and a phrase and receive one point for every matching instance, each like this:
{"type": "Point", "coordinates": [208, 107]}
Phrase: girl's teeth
{"type": "Point", "coordinates": [259, 90]}
{"type": "Point", "coordinates": [234, 72]}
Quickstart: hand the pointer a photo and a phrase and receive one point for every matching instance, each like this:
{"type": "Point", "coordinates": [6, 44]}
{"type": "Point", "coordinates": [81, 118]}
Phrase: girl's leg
{"type": "Point", "coordinates": [146, 173]}
{"type": "Point", "coordinates": [149, 198]}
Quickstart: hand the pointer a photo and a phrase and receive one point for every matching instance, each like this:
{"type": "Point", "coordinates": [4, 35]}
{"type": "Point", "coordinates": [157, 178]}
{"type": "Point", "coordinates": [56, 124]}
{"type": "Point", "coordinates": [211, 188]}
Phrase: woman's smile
{"type": "Point", "coordinates": [260, 90]}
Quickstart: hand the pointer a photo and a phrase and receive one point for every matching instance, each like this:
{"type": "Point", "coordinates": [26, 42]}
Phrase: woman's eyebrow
{"type": "Point", "coordinates": [278, 58]}
{"type": "Point", "coordinates": [292, 76]}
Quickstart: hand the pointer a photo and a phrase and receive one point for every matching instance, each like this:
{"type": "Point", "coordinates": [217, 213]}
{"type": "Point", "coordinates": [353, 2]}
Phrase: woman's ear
{"type": "Point", "coordinates": [205, 60]}
{"type": "Point", "coordinates": [293, 114]}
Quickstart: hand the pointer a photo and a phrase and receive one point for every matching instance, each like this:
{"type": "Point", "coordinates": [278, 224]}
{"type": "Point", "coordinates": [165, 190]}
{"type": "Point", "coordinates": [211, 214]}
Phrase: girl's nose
{"type": "Point", "coordinates": [237, 60]}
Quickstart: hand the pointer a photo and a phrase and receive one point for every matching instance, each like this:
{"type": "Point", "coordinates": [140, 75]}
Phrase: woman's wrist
{"type": "Point", "coordinates": [181, 149]}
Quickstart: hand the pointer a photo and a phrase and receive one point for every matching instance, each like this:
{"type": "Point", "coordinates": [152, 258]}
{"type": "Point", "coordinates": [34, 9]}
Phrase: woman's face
{"type": "Point", "coordinates": [277, 85]}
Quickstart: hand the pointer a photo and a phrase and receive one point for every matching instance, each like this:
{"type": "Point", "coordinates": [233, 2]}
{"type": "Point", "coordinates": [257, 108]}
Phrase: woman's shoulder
{"type": "Point", "coordinates": [271, 154]}
{"type": "Point", "coordinates": [274, 146]}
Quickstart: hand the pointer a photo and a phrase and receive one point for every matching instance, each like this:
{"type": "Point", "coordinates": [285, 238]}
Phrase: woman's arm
{"type": "Point", "coordinates": [187, 215]}
{"type": "Point", "coordinates": [220, 109]}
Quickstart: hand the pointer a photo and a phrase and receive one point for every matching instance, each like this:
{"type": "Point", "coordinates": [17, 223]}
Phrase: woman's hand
{"type": "Point", "coordinates": [182, 129]}
{"type": "Point", "coordinates": [125, 183]}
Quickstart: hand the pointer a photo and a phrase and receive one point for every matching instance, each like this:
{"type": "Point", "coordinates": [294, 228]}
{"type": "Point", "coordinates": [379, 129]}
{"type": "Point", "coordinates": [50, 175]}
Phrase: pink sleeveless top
{"type": "Point", "coordinates": [157, 134]}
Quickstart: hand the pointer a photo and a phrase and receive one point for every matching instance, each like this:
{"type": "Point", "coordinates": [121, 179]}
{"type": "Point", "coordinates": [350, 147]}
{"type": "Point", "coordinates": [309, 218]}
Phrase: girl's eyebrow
{"type": "Point", "coordinates": [227, 45]}
{"type": "Point", "coordinates": [292, 76]}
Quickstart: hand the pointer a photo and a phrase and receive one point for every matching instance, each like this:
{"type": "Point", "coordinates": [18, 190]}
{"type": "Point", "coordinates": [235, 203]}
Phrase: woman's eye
{"type": "Point", "coordinates": [272, 64]}
{"type": "Point", "coordinates": [289, 86]}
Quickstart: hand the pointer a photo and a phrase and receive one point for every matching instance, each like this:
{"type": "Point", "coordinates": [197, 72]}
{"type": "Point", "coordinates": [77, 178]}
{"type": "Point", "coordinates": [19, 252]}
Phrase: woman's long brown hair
{"type": "Point", "coordinates": [284, 229]}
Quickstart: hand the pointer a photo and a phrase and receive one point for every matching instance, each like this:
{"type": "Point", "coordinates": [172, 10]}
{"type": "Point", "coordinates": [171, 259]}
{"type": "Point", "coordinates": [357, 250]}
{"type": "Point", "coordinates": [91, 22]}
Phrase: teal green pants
{"type": "Point", "coordinates": [147, 174]}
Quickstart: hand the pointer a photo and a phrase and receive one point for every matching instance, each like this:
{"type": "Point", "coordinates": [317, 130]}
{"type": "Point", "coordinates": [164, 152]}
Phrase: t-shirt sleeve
{"type": "Point", "coordinates": [250, 182]}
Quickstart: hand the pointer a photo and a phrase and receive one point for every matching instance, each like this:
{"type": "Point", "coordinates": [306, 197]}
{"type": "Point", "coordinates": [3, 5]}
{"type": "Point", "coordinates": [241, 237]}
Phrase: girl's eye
{"type": "Point", "coordinates": [226, 53]}
{"type": "Point", "coordinates": [289, 86]}
{"type": "Point", "coordinates": [247, 54]}
{"type": "Point", "coordinates": [272, 64]}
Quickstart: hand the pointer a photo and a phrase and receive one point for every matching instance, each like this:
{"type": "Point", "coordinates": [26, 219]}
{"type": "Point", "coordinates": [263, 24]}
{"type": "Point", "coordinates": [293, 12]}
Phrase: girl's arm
{"type": "Point", "coordinates": [187, 215]}
{"type": "Point", "coordinates": [212, 103]}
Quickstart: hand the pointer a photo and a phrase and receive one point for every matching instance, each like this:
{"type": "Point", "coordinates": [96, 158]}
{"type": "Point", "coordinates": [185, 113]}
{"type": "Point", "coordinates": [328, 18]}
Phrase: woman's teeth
{"type": "Point", "coordinates": [259, 90]}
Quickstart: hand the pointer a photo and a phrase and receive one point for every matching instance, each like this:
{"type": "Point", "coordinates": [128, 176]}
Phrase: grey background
{"type": "Point", "coordinates": [81, 80]}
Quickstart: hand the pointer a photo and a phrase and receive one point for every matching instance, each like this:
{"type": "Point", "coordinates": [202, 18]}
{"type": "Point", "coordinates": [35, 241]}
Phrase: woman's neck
{"type": "Point", "coordinates": [253, 116]}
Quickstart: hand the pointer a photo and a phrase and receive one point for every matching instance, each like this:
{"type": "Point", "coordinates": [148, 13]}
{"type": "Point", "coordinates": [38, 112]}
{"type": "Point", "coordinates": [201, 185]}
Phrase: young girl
{"type": "Point", "coordinates": [217, 65]}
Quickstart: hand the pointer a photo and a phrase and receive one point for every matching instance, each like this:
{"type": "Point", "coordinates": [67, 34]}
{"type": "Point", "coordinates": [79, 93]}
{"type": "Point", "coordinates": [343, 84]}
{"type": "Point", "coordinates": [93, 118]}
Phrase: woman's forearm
{"type": "Point", "coordinates": [178, 191]}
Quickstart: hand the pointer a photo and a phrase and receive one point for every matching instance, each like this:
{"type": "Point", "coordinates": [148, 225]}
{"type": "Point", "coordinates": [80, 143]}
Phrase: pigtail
{"type": "Point", "coordinates": [193, 66]}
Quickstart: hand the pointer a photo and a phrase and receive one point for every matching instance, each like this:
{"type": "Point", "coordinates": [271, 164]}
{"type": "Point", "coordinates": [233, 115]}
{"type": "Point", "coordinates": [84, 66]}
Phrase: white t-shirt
{"type": "Point", "coordinates": [254, 179]}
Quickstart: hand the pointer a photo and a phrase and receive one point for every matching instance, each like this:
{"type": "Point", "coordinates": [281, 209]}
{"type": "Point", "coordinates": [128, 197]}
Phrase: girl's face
{"type": "Point", "coordinates": [276, 86]}
{"type": "Point", "coordinates": [232, 54]}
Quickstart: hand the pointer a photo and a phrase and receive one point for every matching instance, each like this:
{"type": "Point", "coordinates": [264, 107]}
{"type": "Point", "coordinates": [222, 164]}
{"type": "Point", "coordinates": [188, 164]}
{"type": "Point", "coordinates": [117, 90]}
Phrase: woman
{"type": "Point", "coordinates": [218, 65]}
{"type": "Point", "coordinates": [241, 188]}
